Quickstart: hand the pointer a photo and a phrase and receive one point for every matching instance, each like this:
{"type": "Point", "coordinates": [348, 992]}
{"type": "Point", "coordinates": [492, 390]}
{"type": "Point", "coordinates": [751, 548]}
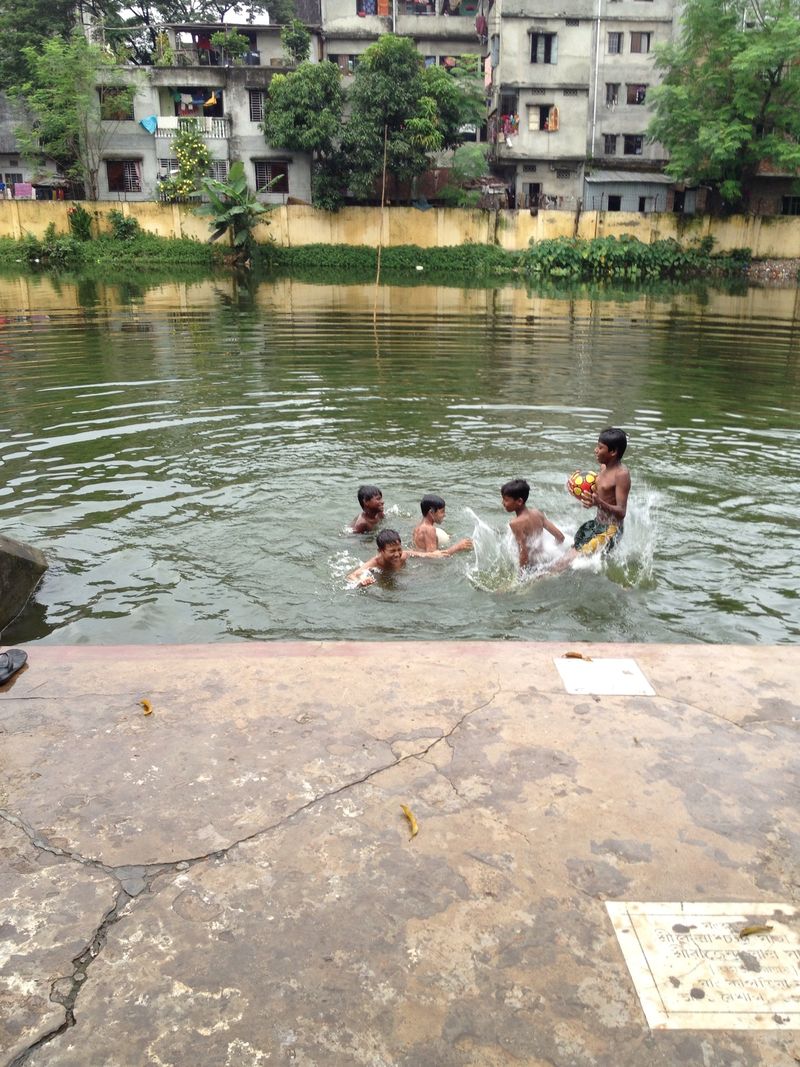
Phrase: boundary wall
{"type": "Point", "coordinates": [768, 237]}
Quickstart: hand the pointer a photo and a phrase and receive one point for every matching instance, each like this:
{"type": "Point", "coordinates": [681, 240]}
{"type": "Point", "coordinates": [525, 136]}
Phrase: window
{"type": "Point", "coordinates": [563, 175]}
{"type": "Point", "coordinates": [636, 94]}
{"type": "Point", "coordinates": [275, 171]}
{"type": "Point", "coordinates": [643, 203]}
{"type": "Point", "coordinates": [124, 175]}
{"type": "Point", "coordinates": [257, 97]}
{"type": "Point", "coordinates": [168, 166]}
{"type": "Point", "coordinates": [219, 169]}
{"type": "Point", "coordinates": [573, 22]}
{"type": "Point", "coordinates": [570, 92]}
{"type": "Point", "coordinates": [540, 117]}
{"type": "Point", "coordinates": [544, 48]}
{"type": "Point", "coordinates": [614, 44]}
{"type": "Point", "coordinates": [612, 94]}
{"type": "Point", "coordinates": [530, 168]}
{"type": "Point", "coordinates": [615, 203]}
{"type": "Point", "coordinates": [791, 204]}
{"type": "Point", "coordinates": [14, 179]}
{"type": "Point", "coordinates": [633, 144]}
{"type": "Point", "coordinates": [116, 103]}
{"type": "Point", "coordinates": [609, 144]}
{"type": "Point", "coordinates": [640, 42]}
{"type": "Point", "coordinates": [348, 63]}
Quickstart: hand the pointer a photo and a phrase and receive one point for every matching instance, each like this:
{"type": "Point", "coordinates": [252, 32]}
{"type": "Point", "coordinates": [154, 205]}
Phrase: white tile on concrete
{"type": "Point", "coordinates": [603, 677]}
{"type": "Point", "coordinates": [693, 971]}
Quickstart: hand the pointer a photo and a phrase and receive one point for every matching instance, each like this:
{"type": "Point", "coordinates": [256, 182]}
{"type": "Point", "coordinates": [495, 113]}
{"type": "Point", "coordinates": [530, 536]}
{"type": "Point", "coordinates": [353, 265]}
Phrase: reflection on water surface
{"type": "Point", "coordinates": [188, 456]}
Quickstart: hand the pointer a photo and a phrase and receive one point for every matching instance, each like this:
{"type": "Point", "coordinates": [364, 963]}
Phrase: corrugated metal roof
{"type": "Point", "coordinates": [642, 176]}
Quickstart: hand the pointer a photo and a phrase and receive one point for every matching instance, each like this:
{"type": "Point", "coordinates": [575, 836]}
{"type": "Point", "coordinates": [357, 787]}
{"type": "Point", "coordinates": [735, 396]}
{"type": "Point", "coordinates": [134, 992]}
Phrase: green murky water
{"type": "Point", "coordinates": [188, 455]}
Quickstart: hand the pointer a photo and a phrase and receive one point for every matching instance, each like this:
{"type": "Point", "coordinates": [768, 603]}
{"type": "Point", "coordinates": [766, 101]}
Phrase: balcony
{"type": "Point", "coordinates": [193, 56]}
{"type": "Point", "coordinates": [170, 125]}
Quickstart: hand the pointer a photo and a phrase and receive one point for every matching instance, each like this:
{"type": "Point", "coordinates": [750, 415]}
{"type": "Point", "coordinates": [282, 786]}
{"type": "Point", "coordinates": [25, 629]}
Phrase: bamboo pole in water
{"type": "Point", "coordinates": [380, 229]}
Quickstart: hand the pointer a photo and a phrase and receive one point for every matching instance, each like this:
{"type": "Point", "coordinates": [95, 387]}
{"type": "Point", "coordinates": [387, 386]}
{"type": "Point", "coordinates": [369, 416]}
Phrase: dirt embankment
{"type": "Point", "coordinates": [782, 272]}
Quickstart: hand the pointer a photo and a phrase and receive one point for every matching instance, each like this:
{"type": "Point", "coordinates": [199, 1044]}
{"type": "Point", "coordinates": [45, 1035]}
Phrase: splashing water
{"type": "Point", "coordinates": [495, 566]}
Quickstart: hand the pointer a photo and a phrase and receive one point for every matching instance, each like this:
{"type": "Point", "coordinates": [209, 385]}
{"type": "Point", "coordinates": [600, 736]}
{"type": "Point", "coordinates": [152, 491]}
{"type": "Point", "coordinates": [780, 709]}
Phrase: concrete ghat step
{"type": "Point", "coordinates": [231, 880]}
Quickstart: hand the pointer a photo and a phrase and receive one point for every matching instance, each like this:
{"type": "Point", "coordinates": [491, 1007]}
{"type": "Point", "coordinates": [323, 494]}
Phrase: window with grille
{"type": "Point", "coordinates": [169, 166]}
{"type": "Point", "coordinates": [219, 169]}
{"type": "Point", "coordinates": [633, 144]}
{"type": "Point", "coordinates": [609, 144]}
{"type": "Point", "coordinates": [537, 90]}
{"type": "Point", "coordinates": [637, 94]}
{"type": "Point", "coordinates": [275, 171]}
{"type": "Point", "coordinates": [531, 168]}
{"type": "Point", "coordinates": [116, 103]}
{"type": "Point", "coordinates": [571, 92]}
{"type": "Point", "coordinates": [123, 176]}
{"type": "Point", "coordinates": [544, 48]}
{"type": "Point", "coordinates": [612, 94]}
{"type": "Point", "coordinates": [256, 105]}
{"type": "Point", "coordinates": [573, 22]}
{"type": "Point", "coordinates": [614, 44]}
{"type": "Point", "coordinates": [640, 42]}
{"type": "Point", "coordinates": [791, 204]}
{"type": "Point", "coordinates": [15, 178]}
{"type": "Point", "coordinates": [564, 174]}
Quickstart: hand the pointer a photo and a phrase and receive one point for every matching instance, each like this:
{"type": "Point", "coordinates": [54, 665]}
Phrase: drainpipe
{"type": "Point", "coordinates": [394, 16]}
{"type": "Point", "coordinates": [596, 76]}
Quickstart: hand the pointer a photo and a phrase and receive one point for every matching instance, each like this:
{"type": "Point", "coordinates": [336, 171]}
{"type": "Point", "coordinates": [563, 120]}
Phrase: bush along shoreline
{"type": "Point", "coordinates": [606, 258]}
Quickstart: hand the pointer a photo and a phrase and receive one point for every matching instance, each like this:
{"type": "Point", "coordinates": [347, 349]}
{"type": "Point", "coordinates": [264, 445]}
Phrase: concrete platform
{"type": "Point", "coordinates": [230, 880]}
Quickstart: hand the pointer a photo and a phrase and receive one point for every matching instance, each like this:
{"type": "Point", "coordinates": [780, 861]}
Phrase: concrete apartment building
{"type": "Point", "coordinates": [568, 103]}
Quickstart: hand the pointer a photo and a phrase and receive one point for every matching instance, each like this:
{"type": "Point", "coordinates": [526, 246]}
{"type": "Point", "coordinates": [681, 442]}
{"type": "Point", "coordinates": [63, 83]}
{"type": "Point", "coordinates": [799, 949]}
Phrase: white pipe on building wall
{"type": "Point", "coordinates": [590, 146]}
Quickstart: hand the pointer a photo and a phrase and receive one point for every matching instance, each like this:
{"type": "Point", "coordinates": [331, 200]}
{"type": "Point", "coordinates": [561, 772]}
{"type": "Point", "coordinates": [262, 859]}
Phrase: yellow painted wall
{"type": "Point", "coordinates": [297, 224]}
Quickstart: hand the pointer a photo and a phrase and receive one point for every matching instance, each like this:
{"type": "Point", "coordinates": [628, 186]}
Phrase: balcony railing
{"type": "Point", "coordinates": [208, 126]}
{"type": "Point", "coordinates": [192, 56]}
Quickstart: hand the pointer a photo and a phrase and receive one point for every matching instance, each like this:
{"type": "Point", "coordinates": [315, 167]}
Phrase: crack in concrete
{"type": "Point", "coordinates": [65, 989]}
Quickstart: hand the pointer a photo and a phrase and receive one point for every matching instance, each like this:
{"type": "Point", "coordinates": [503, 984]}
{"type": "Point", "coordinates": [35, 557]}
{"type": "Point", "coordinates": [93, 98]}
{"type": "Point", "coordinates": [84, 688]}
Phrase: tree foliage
{"type": "Point", "coordinates": [296, 41]}
{"type": "Point", "coordinates": [28, 24]}
{"type": "Point", "coordinates": [234, 210]}
{"type": "Point", "coordinates": [69, 125]}
{"type": "Point", "coordinates": [729, 98]}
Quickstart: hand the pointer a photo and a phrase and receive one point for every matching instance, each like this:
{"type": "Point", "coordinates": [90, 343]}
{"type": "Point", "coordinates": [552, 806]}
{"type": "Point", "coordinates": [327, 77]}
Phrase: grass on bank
{"type": "Point", "coordinates": [607, 258]}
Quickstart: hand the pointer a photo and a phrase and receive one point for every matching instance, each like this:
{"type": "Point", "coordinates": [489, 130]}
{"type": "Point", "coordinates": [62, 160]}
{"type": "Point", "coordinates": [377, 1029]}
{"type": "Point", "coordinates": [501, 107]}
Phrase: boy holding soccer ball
{"type": "Point", "coordinates": [609, 495]}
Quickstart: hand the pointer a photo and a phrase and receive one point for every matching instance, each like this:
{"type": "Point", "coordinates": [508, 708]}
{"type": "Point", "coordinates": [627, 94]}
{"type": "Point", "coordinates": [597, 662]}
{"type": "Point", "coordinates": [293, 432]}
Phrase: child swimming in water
{"type": "Point", "coordinates": [529, 523]}
{"type": "Point", "coordinates": [371, 500]}
{"type": "Point", "coordinates": [391, 556]}
{"type": "Point", "coordinates": [427, 537]}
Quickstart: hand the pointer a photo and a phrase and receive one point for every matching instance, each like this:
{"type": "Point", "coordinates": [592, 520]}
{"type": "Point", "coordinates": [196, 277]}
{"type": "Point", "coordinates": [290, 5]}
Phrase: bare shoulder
{"type": "Point", "coordinates": [623, 476]}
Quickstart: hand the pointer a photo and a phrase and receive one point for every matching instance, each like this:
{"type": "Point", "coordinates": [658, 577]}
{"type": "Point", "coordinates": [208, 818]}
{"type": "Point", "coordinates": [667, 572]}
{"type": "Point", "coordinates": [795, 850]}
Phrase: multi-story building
{"type": "Point", "coordinates": [568, 103]}
{"type": "Point", "coordinates": [196, 86]}
{"type": "Point", "coordinates": [441, 29]}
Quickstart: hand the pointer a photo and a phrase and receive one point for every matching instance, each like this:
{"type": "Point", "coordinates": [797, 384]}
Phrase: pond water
{"type": "Point", "coordinates": [188, 455]}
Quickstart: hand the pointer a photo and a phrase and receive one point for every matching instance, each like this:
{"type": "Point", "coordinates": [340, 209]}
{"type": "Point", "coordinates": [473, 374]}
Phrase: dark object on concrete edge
{"type": "Point", "coordinates": [11, 662]}
{"type": "Point", "coordinates": [21, 570]}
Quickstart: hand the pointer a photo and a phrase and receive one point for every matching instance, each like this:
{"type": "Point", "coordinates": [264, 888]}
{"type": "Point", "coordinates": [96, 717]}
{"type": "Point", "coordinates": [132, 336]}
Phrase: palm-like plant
{"type": "Point", "coordinates": [233, 209]}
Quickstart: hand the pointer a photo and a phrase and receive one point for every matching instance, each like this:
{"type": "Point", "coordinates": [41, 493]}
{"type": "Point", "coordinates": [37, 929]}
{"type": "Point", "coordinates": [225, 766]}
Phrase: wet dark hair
{"type": "Point", "coordinates": [367, 492]}
{"type": "Point", "coordinates": [615, 440]}
{"type": "Point", "coordinates": [387, 537]}
{"type": "Point", "coordinates": [517, 489]}
{"type": "Point", "coordinates": [431, 502]}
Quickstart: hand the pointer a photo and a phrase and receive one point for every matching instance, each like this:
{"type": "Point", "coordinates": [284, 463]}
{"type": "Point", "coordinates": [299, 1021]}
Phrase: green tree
{"type": "Point", "coordinates": [420, 109]}
{"type": "Point", "coordinates": [194, 163]}
{"type": "Point", "coordinates": [69, 125]}
{"type": "Point", "coordinates": [729, 98]}
{"type": "Point", "coordinates": [231, 43]}
{"type": "Point", "coordinates": [234, 210]}
{"type": "Point", "coordinates": [296, 41]}
{"type": "Point", "coordinates": [303, 113]}
{"type": "Point", "coordinates": [28, 24]}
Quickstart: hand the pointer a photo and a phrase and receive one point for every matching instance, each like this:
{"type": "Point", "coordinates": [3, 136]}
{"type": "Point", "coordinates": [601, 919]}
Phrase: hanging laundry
{"type": "Point", "coordinates": [176, 96]}
{"type": "Point", "coordinates": [186, 98]}
{"type": "Point", "coordinates": [482, 28]}
{"type": "Point", "coordinates": [487, 72]}
{"type": "Point", "coordinates": [212, 100]}
{"type": "Point", "coordinates": [150, 123]}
